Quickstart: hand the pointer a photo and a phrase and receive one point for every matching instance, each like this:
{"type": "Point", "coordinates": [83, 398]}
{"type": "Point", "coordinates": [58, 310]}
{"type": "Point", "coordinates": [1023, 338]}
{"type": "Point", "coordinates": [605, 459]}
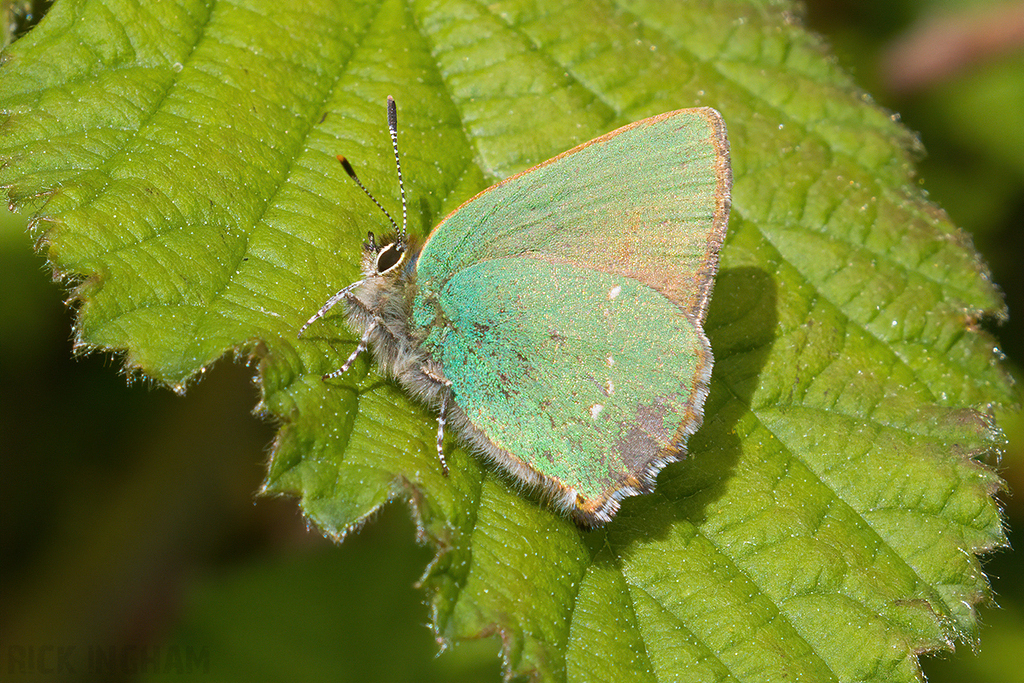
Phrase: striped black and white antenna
{"type": "Point", "coordinates": [393, 129]}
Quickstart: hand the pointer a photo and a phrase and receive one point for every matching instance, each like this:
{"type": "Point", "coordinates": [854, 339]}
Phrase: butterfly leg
{"type": "Point", "coordinates": [434, 375]}
{"type": "Point", "coordinates": [442, 416]}
{"type": "Point", "coordinates": [363, 343]}
{"type": "Point", "coordinates": [331, 303]}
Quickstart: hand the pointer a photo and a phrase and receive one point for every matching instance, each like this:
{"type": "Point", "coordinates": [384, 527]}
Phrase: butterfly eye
{"type": "Point", "coordinates": [389, 257]}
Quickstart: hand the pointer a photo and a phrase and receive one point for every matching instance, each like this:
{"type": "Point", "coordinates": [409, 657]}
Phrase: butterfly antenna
{"type": "Point", "coordinates": [352, 174]}
{"type": "Point", "coordinates": [393, 127]}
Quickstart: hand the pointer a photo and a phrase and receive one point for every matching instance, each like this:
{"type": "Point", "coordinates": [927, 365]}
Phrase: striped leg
{"type": "Point", "coordinates": [343, 294]}
{"type": "Point", "coordinates": [363, 343]}
{"type": "Point", "coordinates": [442, 416]}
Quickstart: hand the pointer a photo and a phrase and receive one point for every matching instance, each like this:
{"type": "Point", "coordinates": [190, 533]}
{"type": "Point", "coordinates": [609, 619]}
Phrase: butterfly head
{"type": "Point", "coordinates": [383, 258]}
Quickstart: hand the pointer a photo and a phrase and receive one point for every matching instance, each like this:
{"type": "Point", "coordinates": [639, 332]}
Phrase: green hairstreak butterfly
{"type": "Point", "coordinates": [555, 319]}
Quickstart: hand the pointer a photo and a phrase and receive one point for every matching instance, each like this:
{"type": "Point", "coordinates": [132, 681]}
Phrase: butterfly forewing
{"type": "Point", "coordinates": [649, 200]}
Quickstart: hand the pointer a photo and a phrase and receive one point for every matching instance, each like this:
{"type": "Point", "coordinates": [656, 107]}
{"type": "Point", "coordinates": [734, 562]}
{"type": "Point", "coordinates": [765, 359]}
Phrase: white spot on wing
{"type": "Point", "coordinates": [614, 292]}
{"type": "Point", "coordinates": [595, 410]}
{"type": "Point", "coordinates": [610, 361]}
{"type": "Point", "coordinates": [609, 388]}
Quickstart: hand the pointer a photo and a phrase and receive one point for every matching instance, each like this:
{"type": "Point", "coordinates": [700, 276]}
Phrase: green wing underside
{"type": "Point", "coordinates": [648, 201]}
{"type": "Point", "coordinates": [583, 375]}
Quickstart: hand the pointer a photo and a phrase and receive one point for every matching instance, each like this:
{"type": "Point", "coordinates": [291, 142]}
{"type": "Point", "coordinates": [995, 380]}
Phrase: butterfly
{"type": "Point", "coordinates": [555, 320]}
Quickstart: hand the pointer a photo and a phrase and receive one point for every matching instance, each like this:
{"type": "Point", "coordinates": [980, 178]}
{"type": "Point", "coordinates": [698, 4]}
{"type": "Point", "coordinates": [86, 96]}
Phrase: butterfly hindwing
{"type": "Point", "coordinates": [584, 376]}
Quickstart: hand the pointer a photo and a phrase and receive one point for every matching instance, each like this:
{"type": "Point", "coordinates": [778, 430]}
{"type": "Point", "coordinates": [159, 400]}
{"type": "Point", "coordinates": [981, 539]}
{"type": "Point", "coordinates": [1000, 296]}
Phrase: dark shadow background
{"type": "Point", "coordinates": [128, 516]}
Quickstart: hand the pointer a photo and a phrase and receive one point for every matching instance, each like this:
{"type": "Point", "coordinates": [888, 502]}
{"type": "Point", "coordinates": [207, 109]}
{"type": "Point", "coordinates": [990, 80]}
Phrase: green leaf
{"type": "Point", "coordinates": [180, 158]}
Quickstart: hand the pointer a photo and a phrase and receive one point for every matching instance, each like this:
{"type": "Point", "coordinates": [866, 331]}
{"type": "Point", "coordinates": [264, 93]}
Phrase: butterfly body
{"type": "Point", "coordinates": [555, 319]}
{"type": "Point", "coordinates": [382, 305]}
